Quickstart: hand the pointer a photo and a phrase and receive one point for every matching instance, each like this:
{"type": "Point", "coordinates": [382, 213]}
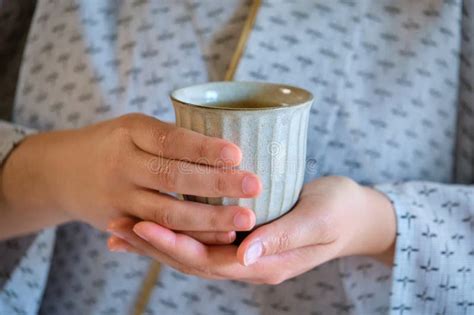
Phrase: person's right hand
{"type": "Point", "coordinates": [123, 167]}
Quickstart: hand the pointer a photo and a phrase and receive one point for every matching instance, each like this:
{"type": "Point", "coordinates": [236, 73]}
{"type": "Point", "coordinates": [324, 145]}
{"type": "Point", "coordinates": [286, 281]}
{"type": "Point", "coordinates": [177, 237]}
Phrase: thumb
{"type": "Point", "coordinates": [299, 228]}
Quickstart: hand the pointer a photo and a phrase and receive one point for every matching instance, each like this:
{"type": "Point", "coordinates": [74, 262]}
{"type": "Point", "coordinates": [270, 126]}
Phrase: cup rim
{"type": "Point", "coordinates": [308, 100]}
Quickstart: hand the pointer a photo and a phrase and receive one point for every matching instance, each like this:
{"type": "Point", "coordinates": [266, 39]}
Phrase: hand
{"type": "Point", "coordinates": [334, 217]}
{"type": "Point", "coordinates": [124, 167]}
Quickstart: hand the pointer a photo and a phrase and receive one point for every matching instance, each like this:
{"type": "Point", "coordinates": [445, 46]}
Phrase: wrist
{"type": "Point", "coordinates": [377, 230]}
{"type": "Point", "coordinates": [26, 179]}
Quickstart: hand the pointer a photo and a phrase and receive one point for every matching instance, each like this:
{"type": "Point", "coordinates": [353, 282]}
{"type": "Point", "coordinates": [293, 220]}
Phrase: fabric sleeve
{"type": "Point", "coordinates": [24, 261]}
{"type": "Point", "coordinates": [10, 135]}
{"type": "Point", "coordinates": [434, 256]}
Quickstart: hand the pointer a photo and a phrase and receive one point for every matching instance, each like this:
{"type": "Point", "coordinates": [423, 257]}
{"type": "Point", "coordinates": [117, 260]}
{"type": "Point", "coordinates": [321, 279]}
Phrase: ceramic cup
{"type": "Point", "coordinates": [268, 122]}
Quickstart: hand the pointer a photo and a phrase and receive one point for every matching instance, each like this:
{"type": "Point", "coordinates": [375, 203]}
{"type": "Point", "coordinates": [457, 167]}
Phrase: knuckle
{"type": "Point", "coordinates": [163, 217]}
{"type": "Point", "coordinates": [164, 138]}
{"type": "Point", "coordinates": [220, 185]}
{"type": "Point", "coordinates": [324, 226]}
{"type": "Point", "coordinates": [169, 178]}
{"type": "Point", "coordinates": [203, 148]}
{"type": "Point", "coordinates": [118, 144]}
{"type": "Point", "coordinates": [282, 242]}
{"type": "Point", "coordinates": [213, 219]}
{"type": "Point", "coordinates": [132, 117]}
{"type": "Point", "coordinates": [128, 121]}
{"type": "Point", "coordinates": [166, 176]}
{"type": "Point", "coordinates": [121, 134]}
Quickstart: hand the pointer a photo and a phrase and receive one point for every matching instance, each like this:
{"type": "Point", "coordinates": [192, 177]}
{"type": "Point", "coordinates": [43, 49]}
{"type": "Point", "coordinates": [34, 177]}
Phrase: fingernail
{"type": "Point", "coordinates": [253, 253]}
{"type": "Point", "coordinates": [249, 185]}
{"type": "Point", "coordinates": [230, 154]}
{"type": "Point", "coordinates": [242, 220]}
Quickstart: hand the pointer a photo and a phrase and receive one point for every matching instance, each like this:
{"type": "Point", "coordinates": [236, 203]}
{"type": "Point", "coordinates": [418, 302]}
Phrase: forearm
{"type": "Point", "coordinates": [25, 203]}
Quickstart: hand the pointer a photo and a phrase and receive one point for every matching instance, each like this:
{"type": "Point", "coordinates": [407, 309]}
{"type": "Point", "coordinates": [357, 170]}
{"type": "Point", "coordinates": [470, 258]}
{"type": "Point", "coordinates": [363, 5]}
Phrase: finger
{"type": "Point", "coordinates": [123, 235]}
{"type": "Point", "coordinates": [188, 215]}
{"type": "Point", "coordinates": [299, 228]}
{"type": "Point", "coordinates": [122, 229]}
{"type": "Point", "coordinates": [218, 261]}
{"type": "Point", "coordinates": [213, 238]}
{"type": "Point", "coordinates": [163, 174]}
{"type": "Point", "coordinates": [116, 244]}
{"type": "Point", "coordinates": [163, 139]}
{"type": "Point", "coordinates": [124, 238]}
{"type": "Point", "coordinates": [141, 248]}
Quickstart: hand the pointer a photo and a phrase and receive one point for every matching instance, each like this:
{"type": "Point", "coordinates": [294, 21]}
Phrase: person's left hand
{"type": "Point", "coordinates": [334, 217]}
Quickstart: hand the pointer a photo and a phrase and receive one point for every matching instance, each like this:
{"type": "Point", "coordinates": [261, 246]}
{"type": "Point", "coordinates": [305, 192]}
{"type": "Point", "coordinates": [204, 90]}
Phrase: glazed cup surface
{"type": "Point", "coordinates": [268, 122]}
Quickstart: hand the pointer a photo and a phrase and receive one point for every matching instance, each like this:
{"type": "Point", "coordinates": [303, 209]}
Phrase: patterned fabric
{"type": "Point", "coordinates": [24, 262]}
{"type": "Point", "coordinates": [394, 109]}
{"type": "Point", "coordinates": [23, 272]}
{"type": "Point", "coordinates": [10, 135]}
{"type": "Point", "coordinates": [15, 19]}
{"type": "Point", "coordinates": [435, 253]}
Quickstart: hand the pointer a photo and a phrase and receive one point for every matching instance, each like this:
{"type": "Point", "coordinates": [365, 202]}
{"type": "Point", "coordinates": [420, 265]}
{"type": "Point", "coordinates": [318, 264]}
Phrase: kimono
{"type": "Point", "coordinates": [394, 109]}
